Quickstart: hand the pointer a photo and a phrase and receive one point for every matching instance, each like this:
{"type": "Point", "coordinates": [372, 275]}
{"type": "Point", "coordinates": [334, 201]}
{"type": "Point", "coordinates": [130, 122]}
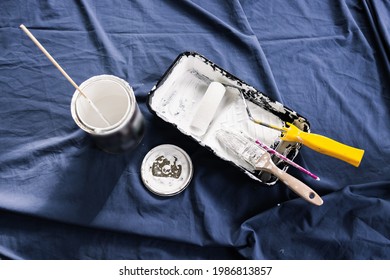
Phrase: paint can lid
{"type": "Point", "coordinates": [166, 170]}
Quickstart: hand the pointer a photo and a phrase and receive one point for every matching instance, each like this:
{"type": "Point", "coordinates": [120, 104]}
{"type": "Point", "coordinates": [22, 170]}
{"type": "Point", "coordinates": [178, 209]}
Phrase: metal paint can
{"type": "Point", "coordinates": [166, 170]}
{"type": "Point", "coordinates": [116, 101]}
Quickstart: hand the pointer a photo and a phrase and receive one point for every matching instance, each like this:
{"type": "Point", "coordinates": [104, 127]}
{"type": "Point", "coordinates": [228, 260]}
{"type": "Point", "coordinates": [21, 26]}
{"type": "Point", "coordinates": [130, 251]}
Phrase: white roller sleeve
{"type": "Point", "coordinates": [207, 108]}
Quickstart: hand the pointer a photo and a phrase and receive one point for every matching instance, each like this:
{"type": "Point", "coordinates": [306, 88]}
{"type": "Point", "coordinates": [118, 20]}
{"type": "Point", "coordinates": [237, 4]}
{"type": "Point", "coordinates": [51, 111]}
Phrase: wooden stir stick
{"type": "Point", "coordinates": [32, 37]}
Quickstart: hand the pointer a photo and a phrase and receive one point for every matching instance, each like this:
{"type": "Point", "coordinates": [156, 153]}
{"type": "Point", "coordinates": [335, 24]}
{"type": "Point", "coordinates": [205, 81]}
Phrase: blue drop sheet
{"type": "Point", "coordinates": [62, 198]}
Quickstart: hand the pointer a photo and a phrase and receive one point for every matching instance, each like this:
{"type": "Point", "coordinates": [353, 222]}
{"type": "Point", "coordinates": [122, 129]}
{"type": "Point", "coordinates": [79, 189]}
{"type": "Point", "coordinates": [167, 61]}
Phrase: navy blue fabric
{"type": "Point", "coordinates": [62, 198]}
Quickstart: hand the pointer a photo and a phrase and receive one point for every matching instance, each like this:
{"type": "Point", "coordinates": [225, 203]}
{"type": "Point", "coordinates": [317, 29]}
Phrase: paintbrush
{"type": "Point", "coordinates": [316, 142]}
{"type": "Point", "coordinates": [286, 159]}
{"type": "Point", "coordinates": [56, 64]}
{"type": "Point", "coordinates": [246, 150]}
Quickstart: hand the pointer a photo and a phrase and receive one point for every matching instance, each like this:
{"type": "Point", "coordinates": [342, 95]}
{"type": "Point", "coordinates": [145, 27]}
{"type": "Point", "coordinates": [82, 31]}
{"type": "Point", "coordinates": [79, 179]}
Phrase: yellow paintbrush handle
{"type": "Point", "coordinates": [324, 145]}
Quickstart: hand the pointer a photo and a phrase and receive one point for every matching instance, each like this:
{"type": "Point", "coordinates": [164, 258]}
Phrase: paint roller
{"type": "Point", "coordinates": [316, 142]}
{"type": "Point", "coordinates": [207, 108]}
{"type": "Point", "coordinates": [205, 113]}
{"type": "Point", "coordinates": [200, 122]}
{"type": "Point", "coordinates": [212, 98]}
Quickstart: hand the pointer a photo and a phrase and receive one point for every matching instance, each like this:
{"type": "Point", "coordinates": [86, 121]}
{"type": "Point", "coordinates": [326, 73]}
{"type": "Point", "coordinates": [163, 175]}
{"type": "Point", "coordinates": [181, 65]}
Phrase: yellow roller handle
{"type": "Point", "coordinates": [324, 145]}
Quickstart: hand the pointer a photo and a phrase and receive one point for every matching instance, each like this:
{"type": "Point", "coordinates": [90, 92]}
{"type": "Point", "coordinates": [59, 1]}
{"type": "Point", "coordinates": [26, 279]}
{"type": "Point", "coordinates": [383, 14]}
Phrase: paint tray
{"type": "Point", "coordinates": [175, 98]}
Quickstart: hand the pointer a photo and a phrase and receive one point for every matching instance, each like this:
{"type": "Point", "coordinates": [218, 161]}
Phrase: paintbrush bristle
{"type": "Point", "coordinates": [241, 146]}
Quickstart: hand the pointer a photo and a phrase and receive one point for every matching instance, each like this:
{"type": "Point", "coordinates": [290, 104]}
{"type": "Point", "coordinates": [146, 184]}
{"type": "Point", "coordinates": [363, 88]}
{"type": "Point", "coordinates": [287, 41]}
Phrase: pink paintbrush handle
{"type": "Point", "coordinates": [289, 161]}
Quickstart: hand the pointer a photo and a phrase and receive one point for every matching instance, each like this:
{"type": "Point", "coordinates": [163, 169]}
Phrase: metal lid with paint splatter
{"type": "Point", "coordinates": [166, 170]}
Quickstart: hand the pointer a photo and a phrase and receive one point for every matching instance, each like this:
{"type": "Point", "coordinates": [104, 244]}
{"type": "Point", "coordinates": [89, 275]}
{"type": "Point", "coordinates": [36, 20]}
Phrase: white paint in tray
{"type": "Point", "coordinates": [177, 97]}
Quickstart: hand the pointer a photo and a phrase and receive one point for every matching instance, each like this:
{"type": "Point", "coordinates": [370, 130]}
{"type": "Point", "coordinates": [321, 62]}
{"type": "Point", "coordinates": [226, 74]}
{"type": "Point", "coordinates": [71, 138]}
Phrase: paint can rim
{"type": "Point", "coordinates": [119, 124]}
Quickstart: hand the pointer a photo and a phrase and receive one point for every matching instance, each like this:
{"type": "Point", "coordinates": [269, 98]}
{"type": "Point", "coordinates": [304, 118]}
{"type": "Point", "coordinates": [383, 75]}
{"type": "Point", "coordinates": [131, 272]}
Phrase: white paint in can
{"type": "Point", "coordinates": [115, 100]}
